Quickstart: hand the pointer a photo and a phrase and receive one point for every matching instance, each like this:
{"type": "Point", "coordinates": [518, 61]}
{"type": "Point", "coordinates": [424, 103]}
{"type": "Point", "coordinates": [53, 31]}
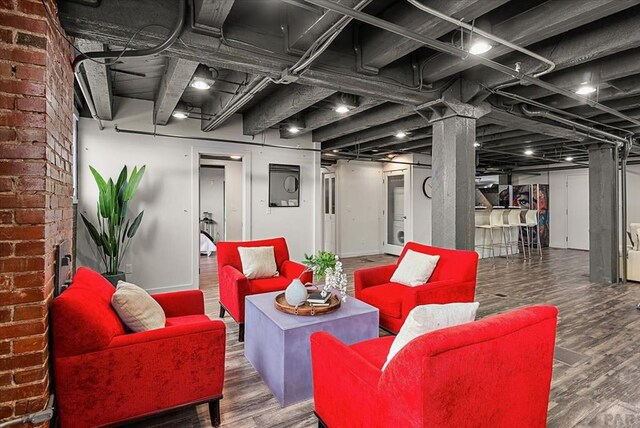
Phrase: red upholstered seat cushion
{"type": "Point", "coordinates": [386, 297]}
{"type": "Point", "coordinates": [187, 319]}
{"type": "Point", "coordinates": [374, 350]}
{"type": "Point", "coordinates": [266, 285]}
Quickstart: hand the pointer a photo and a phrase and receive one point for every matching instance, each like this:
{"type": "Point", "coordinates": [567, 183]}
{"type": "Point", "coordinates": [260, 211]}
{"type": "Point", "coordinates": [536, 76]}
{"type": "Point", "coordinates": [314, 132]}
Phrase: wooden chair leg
{"type": "Point", "coordinates": [241, 332]}
{"type": "Point", "coordinates": [222, 311]}
{"type": "Point", "coordinates": [214, 412]}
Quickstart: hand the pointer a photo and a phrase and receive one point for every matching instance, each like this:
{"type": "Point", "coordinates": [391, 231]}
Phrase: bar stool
{"type": "Point", "coordinates": [514, 221]}
{"type": "Point", "coordinates": [496, 223]}
{"type": "Point", "coordinates": [531, 221]}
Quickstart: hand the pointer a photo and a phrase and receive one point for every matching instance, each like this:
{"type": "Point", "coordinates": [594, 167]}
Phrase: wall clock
{"type": "Point", "coordinates": [427, 188]}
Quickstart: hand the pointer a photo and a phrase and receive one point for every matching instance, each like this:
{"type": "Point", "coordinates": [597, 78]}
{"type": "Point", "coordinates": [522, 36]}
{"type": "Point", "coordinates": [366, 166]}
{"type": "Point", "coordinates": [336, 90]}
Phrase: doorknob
{"type": "Point", "coordinates": [404, 217]}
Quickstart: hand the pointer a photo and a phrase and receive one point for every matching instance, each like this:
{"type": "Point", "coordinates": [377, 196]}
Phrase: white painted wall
{"type": "Point", "coordinates": [233, 196]}
{"type": "Point", "coordinates": [212, 199]}
{"type": "Point", "coordinates": [164, 255]}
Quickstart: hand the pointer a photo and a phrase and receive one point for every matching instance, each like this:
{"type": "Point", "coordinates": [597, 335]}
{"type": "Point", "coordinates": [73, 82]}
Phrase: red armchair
{"type": "Point", "coordinates": [104, 375]}
{"type": "Point", "coordinates": [452, 281]}
{"type": "Point", "coordinates": [493, 373]}
{"type": "Point", "coordinates": [234, 286]}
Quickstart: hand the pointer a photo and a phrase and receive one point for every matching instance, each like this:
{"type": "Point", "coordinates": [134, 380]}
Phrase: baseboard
{"type": "Point", "coordinates": [171, 288]}
{"type": "Point", "coordinates": [361, 253]}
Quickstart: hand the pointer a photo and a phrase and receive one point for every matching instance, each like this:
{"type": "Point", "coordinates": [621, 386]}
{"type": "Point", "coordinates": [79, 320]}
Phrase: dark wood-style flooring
{"type": "Point", "coordinates": [596, 378]}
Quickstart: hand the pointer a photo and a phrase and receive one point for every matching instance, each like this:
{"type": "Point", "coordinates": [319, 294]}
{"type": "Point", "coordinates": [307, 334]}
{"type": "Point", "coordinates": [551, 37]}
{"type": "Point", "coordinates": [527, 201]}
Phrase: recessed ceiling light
{"type": "Point", "coordinates": [235, 157]}
{"type": "Point", "coordinates": [375, 150]}
{"type": "Point", "coordinates": [342, 109]}
{"type": "Point", "coordinates": [585, 89]}
{"type": "Point", "coordinates": [476, 144]}
{"type": "Point", "coordinates": [200, 84]}
{"type": "Point", "coordinates": [294, 129]}
{"type": "Point", "coordinates": [528, 152]}
{"type": "Point", "coordinates": [480, 47]}
{"type": "Point", "coordinates": [568, 158]}
{"type": "Point", "coordinates": [401, 134]}
{"type": "Point", "coordinates": [335, 150]}
{"type": "Point", "coordinates": [391, 156]}
{"type": "Point", "coordinates": [180, 115]}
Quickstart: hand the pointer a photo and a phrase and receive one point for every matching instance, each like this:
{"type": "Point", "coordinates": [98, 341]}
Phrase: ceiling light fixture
{"type": "Point", "coordinates": [391, 156]}
{"type": "Point", "coordinates": [235, 157]}
{"type": "Point", "coordinates": [476, 144]}
{"type": "Point", "coordinates": [585, 89]}
{"type": "Point", "coordinates": [480, 47]}
{"type": "Point", "coordinates": [401, 134]}
{"type": "Point", "coordinates": [528, 152]}
{"type": "Point", "coordinates": [180, 114]}
{"type": "Point", "coordinates": [568, 158]}
{"type": "Point", "coordinates": [342, 109]}
{"type": "Point", "coordinates": [200, 84]}
{"type": "Point", "coordinates": [294, 129]}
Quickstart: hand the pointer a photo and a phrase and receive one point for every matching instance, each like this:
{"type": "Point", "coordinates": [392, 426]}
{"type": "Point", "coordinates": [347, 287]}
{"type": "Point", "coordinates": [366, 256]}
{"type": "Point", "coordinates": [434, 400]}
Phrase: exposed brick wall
{"type": "Point", "coordinates": [36, 118]}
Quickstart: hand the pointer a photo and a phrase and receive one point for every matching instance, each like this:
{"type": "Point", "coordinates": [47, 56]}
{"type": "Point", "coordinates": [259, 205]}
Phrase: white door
{"type": "Point", "coordinates": [578, 212]}
{"type": "Point", "coordinates": [396, 208]}
{"type": "Point", "coordinates": [329, 210]}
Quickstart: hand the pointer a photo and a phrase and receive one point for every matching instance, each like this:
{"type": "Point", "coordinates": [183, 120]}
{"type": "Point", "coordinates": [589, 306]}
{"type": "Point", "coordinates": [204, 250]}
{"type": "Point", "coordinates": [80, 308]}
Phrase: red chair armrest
{"type": "Point", "coordinates": [344, 383]}
{"type": "Point", "coordinates": [233, 287]}
{"type": "Point", "coordinates": [364, 278]}
{"type": "Point", "coordinates": [167, 333]}
{"type": "Point", "coordinates": [438, 292]}
{"type": "Point", "coordinates": [181, 303]}
{"type": "Point", "coordinates": [293, 270]}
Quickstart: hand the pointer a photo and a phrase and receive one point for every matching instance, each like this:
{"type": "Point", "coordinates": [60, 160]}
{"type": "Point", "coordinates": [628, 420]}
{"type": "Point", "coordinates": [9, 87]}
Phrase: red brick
{"type": "Point", "coordinates": [22, 168]}
{"type": "Point", "coordinates": [5, 347]}
{"type": "Point", "coordinates": [6, 184]}
{"type": "Point", "coordinates": [23, 151]}
{"type": "Point", "coordinates": [6, 314]}
{"type": "Point", "coordinates": [6, 36]}
{"type": "Point", "coordinates": [35, 120]}
{"type": "Point", "coordinates": [6, 217]}
{"type": "Point", "coordinates": [30, 216]}
{"type": "Point", "coordinates": [5, 411]}
{"type": "Point", "coordinates": [31, 40]}
{"type": "Point", "coordinates": [31, 248]}
{"type": "Point", "coordinates": [32, 134]}
{"type": "Point", "coordinates": [21, 264]}
{"type": "Point", "coordinates": [30, 72]}
{"type": "Point", "coordinates": [23, 23]}
{"type": "Point", "coordinates": [28, 376]}
{"type": "Point", "coordinates": [21, 87]}
{"type": "Point", "coordinates": [6, 250]}
{"type": "Point", "coordinates": [32, 104]}
{"type": "Point", "coordinates": [7, 4]}
{"type": "Point", "coordinates": [28, 280]}
{"type": "Point", "coordinates": [26, 391]}
{"type": "Point", "coordinates": [29, 312]}
{"type": "Point", "coordinates": [21, 330]}
{"type": "Point", "coordinates": [7, 102]}
{"type": "Point", "coordinates": [21, 233]}
{"type": "Point", "coordinates": [25, 360]}
{"type": "Point", "coordinates": [29, 345]}
{"type": "Point", "coordinates": [6, 379]}
{"type": "Point", "coordinates": [31, 8]}
{"type": "Point", "coordinates": [7, 134]}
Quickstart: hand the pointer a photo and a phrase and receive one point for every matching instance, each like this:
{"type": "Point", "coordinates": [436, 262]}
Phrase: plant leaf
{"type": "Point", "coordinates": [134, 181]}
{"type": "Point", "coordinates": [93, 232]}
{"type": "Point", "coordinates": [135, 225]}
{"type": "Point", "coordinates": [99, 180]}
{"type": "Point", "coordinates": [106, 244]}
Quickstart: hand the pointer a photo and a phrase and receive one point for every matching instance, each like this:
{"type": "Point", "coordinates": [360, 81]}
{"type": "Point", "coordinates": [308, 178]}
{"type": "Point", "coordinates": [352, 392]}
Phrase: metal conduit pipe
{"type": "Point", "coordinates": [617, 141]}
{"type": "Point", "coordinates": [79, 59]}
{"type": "Point", "coordinates": [261, 83]}
{"type": "Point", "coordinates": [452, 50]}
{"type": "Point", "coordinates": [550, 64]}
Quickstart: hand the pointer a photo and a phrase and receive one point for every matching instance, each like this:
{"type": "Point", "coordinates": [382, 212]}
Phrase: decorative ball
{"type": "Point", "coordinates": [296, 293]}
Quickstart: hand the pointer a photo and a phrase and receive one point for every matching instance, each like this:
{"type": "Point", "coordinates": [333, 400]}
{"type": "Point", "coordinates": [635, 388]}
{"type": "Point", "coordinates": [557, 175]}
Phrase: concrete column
{"type": "Point", "coordinates": [454, 170]}
{"type": "Point", "coordinates": [603, 220]}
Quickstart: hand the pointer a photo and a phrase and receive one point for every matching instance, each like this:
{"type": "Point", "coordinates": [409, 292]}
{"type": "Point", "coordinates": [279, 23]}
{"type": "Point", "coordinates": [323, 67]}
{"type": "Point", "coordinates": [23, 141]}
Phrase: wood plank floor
{"type": "Point", "coordinates": [596, 373]}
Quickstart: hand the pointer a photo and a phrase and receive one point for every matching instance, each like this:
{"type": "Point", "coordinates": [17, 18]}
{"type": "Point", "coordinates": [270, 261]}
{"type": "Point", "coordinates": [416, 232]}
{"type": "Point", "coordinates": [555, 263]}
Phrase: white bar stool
{"type": "Point", "coordinates": [531, 220]}
{"type": "Point", "coordinates": [496, 223]}
{"type": "Point", "coordinates": [514, 220]}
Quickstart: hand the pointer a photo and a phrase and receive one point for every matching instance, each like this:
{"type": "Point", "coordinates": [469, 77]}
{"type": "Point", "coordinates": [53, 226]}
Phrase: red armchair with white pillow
{"type": "Point", "coordinates": [234, 285]}
{"type": "Point", "coordinates": [453, 280]}
{"type": "Point", "coordinates": [106, 375]}
{"type": "Point", "coordinates": [492, 373]}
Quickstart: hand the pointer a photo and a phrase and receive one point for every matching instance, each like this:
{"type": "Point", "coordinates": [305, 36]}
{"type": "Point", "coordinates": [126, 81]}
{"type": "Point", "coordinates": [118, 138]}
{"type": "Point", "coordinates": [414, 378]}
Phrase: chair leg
{"type": "Point", "coordinates": [241, 332]}
{"type": "Point", "coordinates": [321, 423]}
{"type": "Point", "coordinates": [222, 311]}
{"type": "Point", "coordinates": [214, 412]}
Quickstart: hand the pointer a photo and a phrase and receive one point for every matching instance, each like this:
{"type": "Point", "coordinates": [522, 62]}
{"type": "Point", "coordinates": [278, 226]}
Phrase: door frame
{"type": "Point", "coordinates": [405, 173]}
{"type": "Point", "coordinates": [333, 197]}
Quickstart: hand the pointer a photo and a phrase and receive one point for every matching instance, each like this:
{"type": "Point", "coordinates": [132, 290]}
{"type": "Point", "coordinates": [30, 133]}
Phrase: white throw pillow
{"type": "Point", "coordinates": [136, 308]}
{"type": "Point", "coordinates": [258, 262]}
{"type": "Point", "coordinates": [415, 268]}
{"type": "Point", "coordinates": [426, 318]}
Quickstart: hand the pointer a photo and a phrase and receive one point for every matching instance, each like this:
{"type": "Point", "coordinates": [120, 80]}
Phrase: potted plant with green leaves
{"type": "Point", "coordinates": [114, 229]}
{"type": "Point", "coordinates": [328, 267]}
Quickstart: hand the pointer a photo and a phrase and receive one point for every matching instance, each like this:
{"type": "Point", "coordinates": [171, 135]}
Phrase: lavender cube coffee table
{"type": "Point", "coordinates": [278, 345]}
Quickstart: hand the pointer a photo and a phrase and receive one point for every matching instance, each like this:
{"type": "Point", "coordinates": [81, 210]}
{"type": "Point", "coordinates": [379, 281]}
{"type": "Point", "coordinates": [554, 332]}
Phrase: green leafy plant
{"type": "Point", "coordinates": [114, 229]}
{"type": "Point", "coordinates": [319, 263]}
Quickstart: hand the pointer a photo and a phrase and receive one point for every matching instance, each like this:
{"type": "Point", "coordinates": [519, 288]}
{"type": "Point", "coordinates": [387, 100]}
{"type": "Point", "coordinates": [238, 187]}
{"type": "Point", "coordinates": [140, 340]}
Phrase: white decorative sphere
{"type": "Point", "coordinates": [296, 293]}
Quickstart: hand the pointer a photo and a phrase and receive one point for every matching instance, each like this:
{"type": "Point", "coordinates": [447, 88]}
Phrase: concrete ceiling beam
{"type": "Point", "coordinates": [512, 120]}
{"type": "Point", "coordinates": [211, 13]}
{"type": "Point", "coordinates": [175, 80]}
{"type": "Point", "coordinates": [99, 79]}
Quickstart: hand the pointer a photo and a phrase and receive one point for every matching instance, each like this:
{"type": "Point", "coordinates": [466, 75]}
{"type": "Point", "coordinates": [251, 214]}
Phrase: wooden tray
{"type": "Point", "coordinates": [306, 309]}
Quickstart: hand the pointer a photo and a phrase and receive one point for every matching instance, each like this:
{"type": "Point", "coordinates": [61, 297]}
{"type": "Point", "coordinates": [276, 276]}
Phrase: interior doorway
{"type": "Point", "coordinates": [578, 212]}
{"type": "Point", "coordinates": [220, 207]}
{"type": "Point", "coordinates": [396, 208]}
{"type": "Point", "coordinates": [329, 211]}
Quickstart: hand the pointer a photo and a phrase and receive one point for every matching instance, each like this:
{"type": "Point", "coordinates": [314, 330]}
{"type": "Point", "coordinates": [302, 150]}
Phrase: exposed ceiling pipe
{"type": "Point", "coordinates": [452, 50]}
{"type": "Point", "coordinates": [84, 56]}
{"type": "Point", "coordinates": [550, 64]}
{"type": "Point", "coordinates": [287, 76]}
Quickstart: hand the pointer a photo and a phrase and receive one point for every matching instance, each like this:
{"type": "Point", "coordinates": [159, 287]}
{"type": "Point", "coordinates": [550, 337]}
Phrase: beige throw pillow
{"type": "Point", "coordinates": [426, 318]}
{"type": "Point", "coordinates": [258, 262]}
{"type": "Point", "coordinates": [136, 308]}
{"type": "Point", "coordinates": [415, 268]}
